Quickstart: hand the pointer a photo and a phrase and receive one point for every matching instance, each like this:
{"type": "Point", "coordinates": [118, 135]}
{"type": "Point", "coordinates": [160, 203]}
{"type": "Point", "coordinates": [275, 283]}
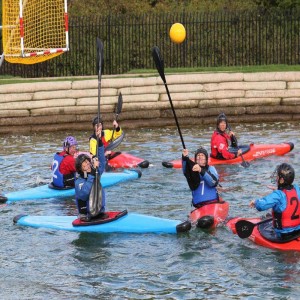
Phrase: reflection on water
{"type": "Point", "coordinates": [68, 265]}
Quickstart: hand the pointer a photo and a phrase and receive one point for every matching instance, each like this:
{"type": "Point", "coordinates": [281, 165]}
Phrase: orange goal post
{"type": "Point", "coordinates": [34, 30]}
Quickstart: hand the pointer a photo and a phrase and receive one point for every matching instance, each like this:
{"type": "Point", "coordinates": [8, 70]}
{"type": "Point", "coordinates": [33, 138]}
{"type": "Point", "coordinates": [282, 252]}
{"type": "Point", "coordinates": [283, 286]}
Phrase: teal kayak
{"type": "Point", "coordinates": [123, 222]}
{"type": "Point", "coordinates": [45, 192]}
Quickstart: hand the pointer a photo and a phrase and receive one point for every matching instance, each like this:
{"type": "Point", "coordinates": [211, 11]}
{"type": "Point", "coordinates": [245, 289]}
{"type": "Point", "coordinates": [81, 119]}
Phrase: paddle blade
{"type": "Point", "coordinates": [100, 59]}
{"type": "Point", "coordinates": [245, 164]}
{"type": "Point", "coordinates": [120, 104]}
{"type": "Point", "coordinates": [95, 199]}
{"type": "Point", "coordinates": [159, 62]}
{"type": "Point", "coordinates": [244, 228]}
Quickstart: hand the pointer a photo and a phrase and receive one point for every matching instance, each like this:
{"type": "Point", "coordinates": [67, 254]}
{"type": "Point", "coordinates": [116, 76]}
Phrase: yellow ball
{"type": "Point", "coordinates": [177, 33]}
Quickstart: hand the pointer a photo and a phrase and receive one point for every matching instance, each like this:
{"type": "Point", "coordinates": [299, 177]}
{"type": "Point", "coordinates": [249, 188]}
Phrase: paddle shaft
{"type": "Point", "coordinates": [160, 68]}
{"type": "Point", "coordinates": [99, 66]}
{"type": "Point", "coordinates": [244, 163]}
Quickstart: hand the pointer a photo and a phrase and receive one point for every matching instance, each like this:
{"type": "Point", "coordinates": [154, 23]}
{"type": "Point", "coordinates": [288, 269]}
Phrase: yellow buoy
{"type": "Point", "coordinates": [177, 33]}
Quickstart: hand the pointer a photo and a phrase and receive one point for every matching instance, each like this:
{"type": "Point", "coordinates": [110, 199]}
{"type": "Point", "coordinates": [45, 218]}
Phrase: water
{"type": "Point", "coordinates": [47, 264]}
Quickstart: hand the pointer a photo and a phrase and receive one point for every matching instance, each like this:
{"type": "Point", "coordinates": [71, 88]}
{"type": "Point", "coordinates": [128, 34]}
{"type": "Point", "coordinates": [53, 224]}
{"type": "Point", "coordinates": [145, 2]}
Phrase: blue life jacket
{"type": "Point", "coordinates": [204, 193]}
{"type": "Point", "coordinates": [58, 179]}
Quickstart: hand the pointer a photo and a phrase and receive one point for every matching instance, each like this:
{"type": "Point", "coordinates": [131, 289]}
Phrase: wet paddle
{"type": "Point", "coordinates": [192, 177]}
{"type": "Point", "coordinates": [244, 228]}
{"type": "Point", "coordinates": [244, 163]}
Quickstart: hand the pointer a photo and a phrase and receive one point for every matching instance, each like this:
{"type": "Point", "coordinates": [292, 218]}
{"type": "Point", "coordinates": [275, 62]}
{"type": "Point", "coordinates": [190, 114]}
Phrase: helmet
{"type": "Point", "coordinates": [79, 160]}
{"type": "Point", "coordinates": [203, 151]}
{"type": "Point", "coordinates": [69, 141]}
{"type": "Point", "coordinates": [286, 172]}
{"type": "Point", "coordinates": [95, 121]}
{"type": "Point", "coordinates": [221, 117]}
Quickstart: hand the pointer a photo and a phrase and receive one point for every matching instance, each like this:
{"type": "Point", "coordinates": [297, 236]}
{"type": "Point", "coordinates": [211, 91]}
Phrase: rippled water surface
{"type": "Point", "coordinates": [48, 264]}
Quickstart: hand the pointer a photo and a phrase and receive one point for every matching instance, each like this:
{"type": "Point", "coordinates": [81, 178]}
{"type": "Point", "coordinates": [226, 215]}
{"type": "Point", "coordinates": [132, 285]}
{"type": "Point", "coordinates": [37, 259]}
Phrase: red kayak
{"type": "Point", "coordinates": [123, 160]}
{"type": "Point", "coordinates": [250, 152]}
{"type": "Point", "coordinates": [210, 215]}
{"type": "Point", "coordinates": [264, 235]}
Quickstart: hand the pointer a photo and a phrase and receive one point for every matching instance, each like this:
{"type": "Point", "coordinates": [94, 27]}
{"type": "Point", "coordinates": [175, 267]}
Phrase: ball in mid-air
{"type": "Point", "coordinates": [177, 33]}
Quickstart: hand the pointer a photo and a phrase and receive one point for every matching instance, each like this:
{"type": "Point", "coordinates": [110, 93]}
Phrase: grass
{"type": "Point", "coordinates": [5, 79]}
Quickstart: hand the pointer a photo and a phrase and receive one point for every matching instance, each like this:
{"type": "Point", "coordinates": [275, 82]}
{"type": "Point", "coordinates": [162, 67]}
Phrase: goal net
{"type": "Point", "coordinates": [34, 30]}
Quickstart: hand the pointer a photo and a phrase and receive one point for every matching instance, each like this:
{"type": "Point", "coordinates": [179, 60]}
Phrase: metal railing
{"type": "Point", "coordinates": [242, 38]}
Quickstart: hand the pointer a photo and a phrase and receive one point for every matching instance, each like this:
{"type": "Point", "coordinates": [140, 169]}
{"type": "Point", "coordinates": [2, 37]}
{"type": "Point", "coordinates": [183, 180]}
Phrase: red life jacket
{"type": "Point", "coordinates": [290, 217]}
{"type": "Point", "coordinates": [219, 146]}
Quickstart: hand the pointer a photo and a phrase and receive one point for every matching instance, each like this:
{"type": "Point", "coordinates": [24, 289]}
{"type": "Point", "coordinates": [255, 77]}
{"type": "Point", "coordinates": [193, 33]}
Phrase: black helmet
{"type": "Point", "coordinates": [95, 121]}
{"type": "Point", "coordinates": [203, 151]}
{"type": "Point", "coordinates": [79, 160]}
{"type": "Point", "coordinates": [286, 172]}
{"type": "Point", "coordinates": [221, 117]}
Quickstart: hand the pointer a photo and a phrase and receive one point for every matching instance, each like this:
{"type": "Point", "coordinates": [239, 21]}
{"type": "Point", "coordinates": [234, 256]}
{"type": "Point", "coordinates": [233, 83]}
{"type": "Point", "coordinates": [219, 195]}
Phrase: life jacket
{"type": "Point", "coordinates": [290, 217]}
{"type": "Point", "coordinates": [58, 179]}
{"type": "Point", "coordinates": [93, 143]}
{"type": "Point", "coordinates": [215, 139]}
{"type": "Point", "coordinates": [204, 193]}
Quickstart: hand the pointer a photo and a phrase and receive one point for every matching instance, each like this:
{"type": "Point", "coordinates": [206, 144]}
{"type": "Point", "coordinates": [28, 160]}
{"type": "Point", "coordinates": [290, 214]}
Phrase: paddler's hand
{"type": "Point", "coordinates": [99, 131]}
{"type": "Point", "coordinates": [272, 187]}
{"type": "Point", "coordinates": [115, 124]}
{"type": "Point", "coordinates": [185, 152]}
{"type": "Point", "coordinates": [95, 162]}
{"type": "Point", "coordinates": [252, 204]}
{"type": "Point", "coordinates": [240, 152]}
{"type": "Point", "coordinates": [196, 168]}
{"type": "Point", "coordinates": [107, 153]}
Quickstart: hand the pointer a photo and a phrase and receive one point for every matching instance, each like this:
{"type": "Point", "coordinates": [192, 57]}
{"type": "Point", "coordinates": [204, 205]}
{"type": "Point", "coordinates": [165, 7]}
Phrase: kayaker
{"type": "Point", "coordinates": [106, 135]}
{"type": "Point", "coordinates": [88, 204]}
{"type": "Point", "coordinates": [220, 140]}
{"type": "Point", "coordinates": [284, 202]}
{"type": "Point", "coordinates": [202, 178]}
{"type": "Point", "coordinates": [63, 164]}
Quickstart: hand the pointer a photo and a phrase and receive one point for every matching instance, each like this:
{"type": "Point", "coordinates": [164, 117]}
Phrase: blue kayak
{"type": "Point", "coordinates": [45, 192]}
{"type": "Point", "coordinates": [125, 223]}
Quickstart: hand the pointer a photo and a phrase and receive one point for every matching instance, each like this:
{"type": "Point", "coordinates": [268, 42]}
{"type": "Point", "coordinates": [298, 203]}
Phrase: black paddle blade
{"type": "Point", "coordinates": [100, 59]}
{"type": "Point", "coordinates": [120, 104]}
{"type": "Point", "coordinates": [244, 228]}
{"type": "Point", "coordinates": [245, 164]}
{"type": "Point", "coordinates": [95, 198]}
{"type": "Point", "coordinates": [159, 62]}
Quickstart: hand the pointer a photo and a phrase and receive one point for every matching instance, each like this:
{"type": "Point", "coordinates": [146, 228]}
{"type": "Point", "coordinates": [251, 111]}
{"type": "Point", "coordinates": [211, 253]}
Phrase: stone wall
{"type": "Point", "coordinates": [197, 97]}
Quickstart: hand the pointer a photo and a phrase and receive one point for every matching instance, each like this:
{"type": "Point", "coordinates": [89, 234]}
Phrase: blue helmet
{"type": "Point", "coordinates": [69, 141]}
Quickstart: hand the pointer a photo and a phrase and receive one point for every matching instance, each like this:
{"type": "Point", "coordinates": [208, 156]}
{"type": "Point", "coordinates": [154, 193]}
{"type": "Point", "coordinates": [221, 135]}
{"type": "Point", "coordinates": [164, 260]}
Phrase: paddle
{"type": "Point", "coordinates": [118, 111]}
{"type": "Point", "coordinates": [192, 177]}
{"type": "Point", "coordinates": [244, 228]}
{"type": "Point", "coordinates": [97, 189]}
{"type": "Point", "coordinates": [244, 163]}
